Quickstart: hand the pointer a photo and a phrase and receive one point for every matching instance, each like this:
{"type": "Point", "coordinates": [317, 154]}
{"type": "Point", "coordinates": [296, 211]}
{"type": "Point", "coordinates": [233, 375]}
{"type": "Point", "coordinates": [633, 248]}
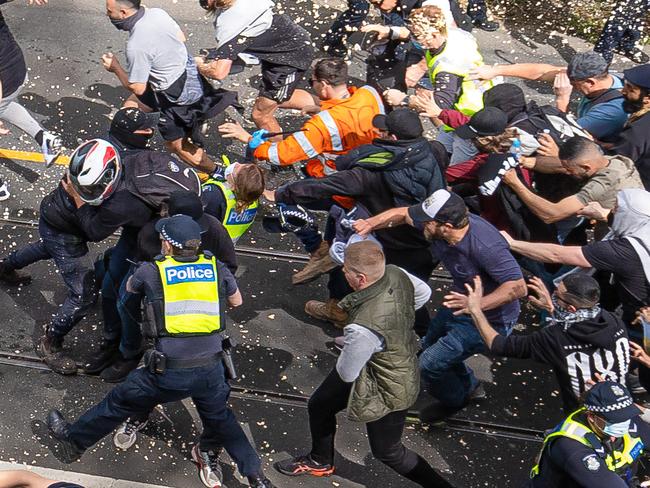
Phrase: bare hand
{"type": "Point", "coordinates": [562, 86]}
{"type": "Point", "coordinates": [311, 110]}
{"type": "Point", "coordinates": [394, 97]}
{"type": "Point", "coordinates": [483, 72]}
{"type": "Point", "coordinates": [510, 178]}
{"type": "Point", "coordinates": [232, 130]}
{"type": "Point", "coordinates": [3, 130]}
{"type": "Point", "coordinates": [594, 210]}
{"type": "Point", "coordinates": [639, 354]}
{"type": "Point", "coordinates": [269, 195]}
{"type": "Point", "coordinates": [110, 62]}
{"type": "Point", "coordinates": [383, 31]}
{"type": "Point", "coordinates": [643, 314]}
{"type": "Point", "coordinates": [362, 227]}
{"type": "Point", "coordinates": [507, 237]}
{"type": "Point", "coordinates": [547, 146]}
{"type": "Point", "coordinates": [425, 103]}
{"type": "Point", "coordinates": [527, 162]}
{"type": "Point", "coordinates": [475, 296]}
{"type": "Point", "coordinates": [72, 191]}
{"type": "Point", "coordinates": [540, 298]}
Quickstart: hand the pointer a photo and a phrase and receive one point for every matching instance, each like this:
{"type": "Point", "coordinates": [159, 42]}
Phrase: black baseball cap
{"type": "Point", "coordinates": [490, 121]}
{"type": "Point", "coordinates": [403, 123]}
{"type": "Point", "coordinates": [130, 119]}
{"type": "Point", "coordinates": [179, 230]}
{"type": "Point", "coordinates": [586, 65]}
{"type": "Point", "coordinates": [442, 206]}
{"type": "Point", "coordinates": [188, 203]}
{"type": "Point", "coordinates": [612, 401]}
{"type": "Point", "coordinates": [639, 76]}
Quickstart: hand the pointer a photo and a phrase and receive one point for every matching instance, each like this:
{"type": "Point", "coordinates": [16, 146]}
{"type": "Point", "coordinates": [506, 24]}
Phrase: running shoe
{"type": "Point", "coordinates": [303, 465]}
{"type": "Point", "coordinates": [4, 190]}
{"type": "Point", "coordinates": [51, 148]}
{"type": "Point", "coordinates": [126, 435]}
{"type": "Point", "coordinates": [209, 468]}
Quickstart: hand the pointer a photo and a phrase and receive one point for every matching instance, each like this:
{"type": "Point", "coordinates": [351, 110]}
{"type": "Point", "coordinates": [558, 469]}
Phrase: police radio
{"type": "Point", "coordinates": [227, 344]}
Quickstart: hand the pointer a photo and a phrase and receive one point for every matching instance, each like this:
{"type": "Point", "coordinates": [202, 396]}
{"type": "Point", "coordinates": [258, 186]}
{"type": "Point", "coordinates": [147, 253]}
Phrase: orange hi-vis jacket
{"type": "Point", "coordinates": [341, 126]}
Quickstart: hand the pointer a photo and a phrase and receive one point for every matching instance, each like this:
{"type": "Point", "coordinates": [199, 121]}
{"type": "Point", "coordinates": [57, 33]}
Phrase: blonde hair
{"type": "Point", "coordinates": [427, 20]}
{"type": "Point", "coordinates": [496, 144]}
{"type": "Point", "coordinates": [367, 258]}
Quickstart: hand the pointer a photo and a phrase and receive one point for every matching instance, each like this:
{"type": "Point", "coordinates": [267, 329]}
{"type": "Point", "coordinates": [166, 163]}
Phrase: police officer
{"type": "Point", "coordinates": [185, 297]}
{"type": "Point", "coordinates": [598, 445]}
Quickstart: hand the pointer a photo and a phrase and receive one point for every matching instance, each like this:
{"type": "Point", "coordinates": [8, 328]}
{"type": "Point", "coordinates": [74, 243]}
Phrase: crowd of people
{"type": "Point", "coordinates": [519, 202]}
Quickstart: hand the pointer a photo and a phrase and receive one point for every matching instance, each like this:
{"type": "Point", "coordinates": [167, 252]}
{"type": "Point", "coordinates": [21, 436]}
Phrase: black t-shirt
{"type": "Point", "coordinates": [569, 464]}
{"type": "Point", "coordinates": [619, 257]}
{"type": "Point", "coordinates": [13, 69]}
{"type": "Point", "coordinates": [146, 279]}
{"type": "Point", "coordinates": [634, 142]}
{"type": "Point", "coordinates": [284, 44]}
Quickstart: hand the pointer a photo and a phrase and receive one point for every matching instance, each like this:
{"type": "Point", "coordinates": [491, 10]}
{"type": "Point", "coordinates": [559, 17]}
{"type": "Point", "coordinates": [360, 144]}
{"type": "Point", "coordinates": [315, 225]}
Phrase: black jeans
{"type": "Point", "coordinates": [352, 18]}
{"type": "Point", "coordinates": [623, 28]}
{"type": "Point", "coordinates": [384, 435]}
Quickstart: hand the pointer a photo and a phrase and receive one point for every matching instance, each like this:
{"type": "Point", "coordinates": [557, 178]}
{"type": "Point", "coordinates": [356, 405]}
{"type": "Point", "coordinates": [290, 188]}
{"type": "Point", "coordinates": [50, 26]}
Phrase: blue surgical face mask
{"type": "Point", "coordinates": [417, 45]}
{"type": "Point", "coordinates": [229, 170]}
{"type": "Point", "coordinates": [617, 430]}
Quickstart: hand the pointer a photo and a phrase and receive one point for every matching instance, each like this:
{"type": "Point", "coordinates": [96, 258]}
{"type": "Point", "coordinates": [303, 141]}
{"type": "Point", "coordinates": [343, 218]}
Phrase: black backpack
{"type": "Point", "coordinates": [561, 126]}
{"type": "Point", "coordinates": [152, 176]}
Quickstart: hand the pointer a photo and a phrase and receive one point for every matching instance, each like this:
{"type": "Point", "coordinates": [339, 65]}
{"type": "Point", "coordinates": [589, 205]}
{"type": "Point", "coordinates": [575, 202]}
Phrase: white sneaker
{"type": "Point", "coordinates": [51, 148]}
{"type": "Point", "coordinates": [209, 468]}
{"type": "Point", "coordinates": [4, 190]}
{"type": "Point", "coordinates": [126, 435]}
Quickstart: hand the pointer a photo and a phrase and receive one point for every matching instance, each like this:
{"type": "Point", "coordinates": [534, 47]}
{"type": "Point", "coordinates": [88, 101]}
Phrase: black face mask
{"type": "Point", "coordinates": [632, 106]}
{"type": "Point", "coordinates": [130, 140]}
{"type": "Point", "coordinates": [128, 23]}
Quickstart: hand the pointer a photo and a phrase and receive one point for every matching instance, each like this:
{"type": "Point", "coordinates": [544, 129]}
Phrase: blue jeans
{"type": "Point", "coordinates": [130, 312]}
{"type": "Point", "coordinates": [69, 254]}
{"type": "Point", "coordinates": [352, 17]}
{"type": "Point", "coordinates": [118, 268]}
{"type": "Point", "coordinates": [449, 341]}
{"type": "Point", "coordinates": [143, 390]}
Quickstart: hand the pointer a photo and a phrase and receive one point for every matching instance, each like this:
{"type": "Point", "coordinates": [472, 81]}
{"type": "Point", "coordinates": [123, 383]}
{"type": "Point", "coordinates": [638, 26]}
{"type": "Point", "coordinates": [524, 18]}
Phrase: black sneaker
{"type": "Point", "coordinates": [260, 481]}
{"type": "Point", "coordinates": [635, 54]}
{"type": "Point", "coordinates": [120, 369]}
{"type": "Point", "coordinates": [108, 353]}
{"type": "Point", "coordinates": [13, 277]}
{"type": "Point", "coordinates": [303, 465]}
{"type": "Point", "coordinates": [486, 25]}
{"type": "Point", "coordinates": [59, 428]}
{"type": "Point", "coordinates": [50, 348]}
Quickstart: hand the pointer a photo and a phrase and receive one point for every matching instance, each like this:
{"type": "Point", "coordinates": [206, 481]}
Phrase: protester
{"type": "Point", "coordinates": [578, 343]}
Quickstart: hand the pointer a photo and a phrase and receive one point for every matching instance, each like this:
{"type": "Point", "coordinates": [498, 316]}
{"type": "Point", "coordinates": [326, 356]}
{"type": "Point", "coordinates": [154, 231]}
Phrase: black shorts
{"type": "Point", "coordinates": [179, 121]}
{"type": "Point", "coordinates": [279, 82]}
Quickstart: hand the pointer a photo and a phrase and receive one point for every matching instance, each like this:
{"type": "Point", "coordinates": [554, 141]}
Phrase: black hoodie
{"type": "Point", "coordinates": [596, 346]}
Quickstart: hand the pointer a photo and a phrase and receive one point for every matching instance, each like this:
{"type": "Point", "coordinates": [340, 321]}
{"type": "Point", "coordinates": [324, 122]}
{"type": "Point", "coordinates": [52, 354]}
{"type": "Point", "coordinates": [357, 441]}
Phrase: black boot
{"type": "Point", "coordinates": [108, 353]}
{"type": "Point", "coordinates": [260, 481]}
{"type": "Point", "coordinates": [13, 277]}
{"type": "Point", "coordinates": [59, 429]}
{"type": "Point", "coordinates": [120, 369]}
{"type": "Point", "coordinates": [50, 348]}
{"type": "Point", "coordinates": [486, 25]}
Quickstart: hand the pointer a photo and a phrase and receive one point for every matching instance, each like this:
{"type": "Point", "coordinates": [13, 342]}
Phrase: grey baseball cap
{"type": "Point", "coordinates": [586, 65]}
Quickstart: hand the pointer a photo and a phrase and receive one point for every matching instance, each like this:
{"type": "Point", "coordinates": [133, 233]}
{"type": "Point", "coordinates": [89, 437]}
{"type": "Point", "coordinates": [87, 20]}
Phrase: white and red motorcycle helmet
{"type": "Point", "coordinates": [95, 169]}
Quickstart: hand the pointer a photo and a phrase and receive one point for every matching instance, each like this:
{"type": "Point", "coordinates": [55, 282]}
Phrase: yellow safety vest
{"type": "Point", "coordinates": [236, 223]}
{"type": "Point", "coordinates": [617, 461]}
{"type": "Point", "coordinates": [458, 57]}
{"type": "Point", "coordinates": [191, 296]}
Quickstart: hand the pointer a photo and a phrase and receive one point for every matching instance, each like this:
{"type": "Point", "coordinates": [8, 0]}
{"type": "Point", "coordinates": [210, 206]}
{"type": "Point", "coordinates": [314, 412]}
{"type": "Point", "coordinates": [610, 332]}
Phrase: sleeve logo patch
{"type": "Point", "coordinates": [591, 462]}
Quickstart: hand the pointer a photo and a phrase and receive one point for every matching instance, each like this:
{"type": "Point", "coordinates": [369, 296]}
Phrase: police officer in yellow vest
{"type": "Point", "coordinates": [597, 446]}
{"type": "Point", "coordinates": [231, 195]}
{"type": "Point", "coordinates": [450, 54]}
{"type": "Point", "coordinates": [185, 297]}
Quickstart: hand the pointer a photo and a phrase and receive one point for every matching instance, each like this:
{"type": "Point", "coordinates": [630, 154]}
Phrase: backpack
{"type": "Point", "coordinates": [561, 126]}
{"type": "Point", "coordinates": [152, 176]}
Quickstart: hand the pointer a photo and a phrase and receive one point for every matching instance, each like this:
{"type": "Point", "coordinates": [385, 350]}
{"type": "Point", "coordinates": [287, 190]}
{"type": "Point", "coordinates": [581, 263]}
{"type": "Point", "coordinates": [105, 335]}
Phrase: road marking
{"type": "Point", "coordinates": [34, 157]}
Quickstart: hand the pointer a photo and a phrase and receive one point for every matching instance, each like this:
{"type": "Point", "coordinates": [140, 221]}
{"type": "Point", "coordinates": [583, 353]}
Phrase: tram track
{"type": "Point", "coordinates": [240, 392]}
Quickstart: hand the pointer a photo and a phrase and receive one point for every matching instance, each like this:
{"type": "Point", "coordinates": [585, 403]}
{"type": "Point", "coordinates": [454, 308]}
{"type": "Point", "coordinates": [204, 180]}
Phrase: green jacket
{"type": "Point", "coordinates": [390, 381]}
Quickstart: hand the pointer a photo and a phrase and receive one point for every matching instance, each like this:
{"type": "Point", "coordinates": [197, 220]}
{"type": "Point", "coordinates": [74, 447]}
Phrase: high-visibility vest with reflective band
{"type": "Point", "coordinates": [459, 55]}
{"type": "Point", "coordinates": [236, 223]}
{"type": "Point", "coordinates": [618, 461]}
{"type": "Point", "coordinates": [190, 295]}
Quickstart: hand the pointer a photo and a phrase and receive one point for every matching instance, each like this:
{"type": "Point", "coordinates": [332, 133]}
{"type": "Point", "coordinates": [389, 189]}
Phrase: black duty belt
{"type": "Point", "coordinates": [158, 363]}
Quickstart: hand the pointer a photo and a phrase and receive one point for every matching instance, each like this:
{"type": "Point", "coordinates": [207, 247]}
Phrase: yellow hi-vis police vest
{"type": "Point", "coordinates": [459, 55]}
{"type": "Point", "coordinates": [191, 296]}
{"type": "Point", "coordinates": [236, 223]}
{"type": "Point", "coordinates": [617, 461]}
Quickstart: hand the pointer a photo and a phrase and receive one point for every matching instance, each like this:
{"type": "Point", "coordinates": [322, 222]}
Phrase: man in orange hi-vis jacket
{"type": "Point", "coordinates": [341, 123]}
